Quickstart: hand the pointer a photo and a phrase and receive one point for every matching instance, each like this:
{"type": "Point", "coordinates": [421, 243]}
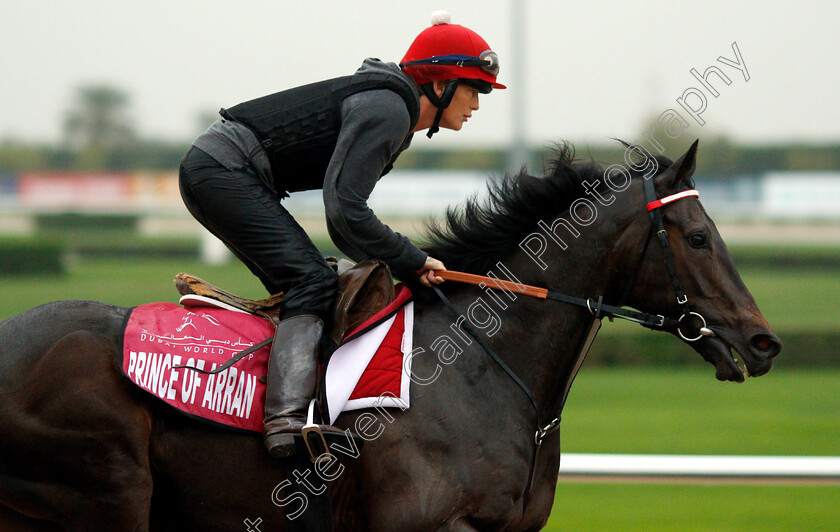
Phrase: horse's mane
{"type": "Point", "coordinates": [478, 233]}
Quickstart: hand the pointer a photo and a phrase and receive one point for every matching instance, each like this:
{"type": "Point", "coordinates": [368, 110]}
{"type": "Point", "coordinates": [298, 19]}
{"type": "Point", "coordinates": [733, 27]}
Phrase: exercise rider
{"type": "Point", "coordinates": [340, 135]}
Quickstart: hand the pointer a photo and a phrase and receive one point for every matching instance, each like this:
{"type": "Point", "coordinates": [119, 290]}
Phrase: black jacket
{"type": "Point", "coordinates": [375, 127]}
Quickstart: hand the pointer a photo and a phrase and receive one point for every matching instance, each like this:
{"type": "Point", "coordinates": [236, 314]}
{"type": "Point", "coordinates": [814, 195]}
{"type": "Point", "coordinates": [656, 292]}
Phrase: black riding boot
{"type": "Point", "coordinates": [292, 381]}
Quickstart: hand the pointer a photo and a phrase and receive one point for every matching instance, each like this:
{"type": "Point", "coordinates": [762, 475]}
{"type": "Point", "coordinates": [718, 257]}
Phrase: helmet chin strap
{"type": "Point", "coordinates": [441, 102]}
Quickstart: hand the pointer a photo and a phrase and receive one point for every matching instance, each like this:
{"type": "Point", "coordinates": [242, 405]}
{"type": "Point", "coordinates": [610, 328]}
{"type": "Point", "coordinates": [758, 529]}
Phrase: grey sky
{"type": "Point", "coordinates": [593, 70]}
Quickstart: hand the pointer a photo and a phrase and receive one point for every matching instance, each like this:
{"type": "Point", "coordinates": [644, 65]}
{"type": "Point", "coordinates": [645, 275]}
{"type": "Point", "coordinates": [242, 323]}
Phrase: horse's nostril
{"type": "Point", "coordinates": [766, 344]}
{"type": "Point", "coordinates": [762, 342]}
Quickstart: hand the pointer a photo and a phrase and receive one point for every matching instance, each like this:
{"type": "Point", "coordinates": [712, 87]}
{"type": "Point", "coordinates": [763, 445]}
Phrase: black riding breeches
{"type": "Point", "coordinates": [238, 208]}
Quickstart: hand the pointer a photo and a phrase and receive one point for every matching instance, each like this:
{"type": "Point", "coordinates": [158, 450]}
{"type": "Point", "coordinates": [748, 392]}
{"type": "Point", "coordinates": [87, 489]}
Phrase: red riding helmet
{"type": "Point", "coordinates": [447, 51]}
{"type": "Point", "coordinates": [451, 53]}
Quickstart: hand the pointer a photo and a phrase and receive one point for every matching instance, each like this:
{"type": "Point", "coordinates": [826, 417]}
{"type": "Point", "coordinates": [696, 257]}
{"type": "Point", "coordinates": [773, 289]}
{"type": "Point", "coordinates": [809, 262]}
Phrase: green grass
{"type": "Point", "coordinates": [687, 411]}
{"type": "Point", "coordinates": [796, 299]}
{"type": "Point", "coordinates": [791, 299]}
{"type": "Point", "coordinates": [801, 305]}
{"type": "Point", "coordinates": [129, 281]}
{"type": "Point", "coordinates": [629, 507]}
{"type": "Point", "coordinates": [786, 256]}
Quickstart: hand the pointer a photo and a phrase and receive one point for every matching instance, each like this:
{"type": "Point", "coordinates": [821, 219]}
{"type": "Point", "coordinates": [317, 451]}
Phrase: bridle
{"type": "Point", "coordinates": [597, 308]}
{"type": "Point", "coordinates": [656, 224]}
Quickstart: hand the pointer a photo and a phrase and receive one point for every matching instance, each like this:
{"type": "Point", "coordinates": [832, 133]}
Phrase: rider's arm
{"type": "Point", "coordinates": [375, 125]}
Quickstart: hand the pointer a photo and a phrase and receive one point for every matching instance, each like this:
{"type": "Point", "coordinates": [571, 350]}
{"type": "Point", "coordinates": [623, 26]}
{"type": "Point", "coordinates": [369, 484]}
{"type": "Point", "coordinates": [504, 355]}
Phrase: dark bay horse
{"type": "Point", "coordinates": [82, 449]}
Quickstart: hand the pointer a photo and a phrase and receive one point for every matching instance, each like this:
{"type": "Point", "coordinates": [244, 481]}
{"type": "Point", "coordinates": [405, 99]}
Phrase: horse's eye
{"type": "Point", "coordinates": [697, 240]}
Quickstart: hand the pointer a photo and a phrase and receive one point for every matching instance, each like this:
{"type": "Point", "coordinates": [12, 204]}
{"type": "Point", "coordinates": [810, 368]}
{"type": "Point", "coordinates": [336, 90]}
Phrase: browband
{"type": "Point", "coordinates": [672, 198]}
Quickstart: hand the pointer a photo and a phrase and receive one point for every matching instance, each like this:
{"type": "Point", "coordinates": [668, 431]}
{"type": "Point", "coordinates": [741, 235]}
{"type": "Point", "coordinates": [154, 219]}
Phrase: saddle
{"type": "Point", "coordinates": [364, 289]}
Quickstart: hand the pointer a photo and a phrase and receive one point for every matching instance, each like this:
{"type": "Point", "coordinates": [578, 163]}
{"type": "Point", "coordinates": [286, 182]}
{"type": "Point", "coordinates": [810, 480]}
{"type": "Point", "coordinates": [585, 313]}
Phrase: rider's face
{"type": "Point", "coordinates": [464, 102]}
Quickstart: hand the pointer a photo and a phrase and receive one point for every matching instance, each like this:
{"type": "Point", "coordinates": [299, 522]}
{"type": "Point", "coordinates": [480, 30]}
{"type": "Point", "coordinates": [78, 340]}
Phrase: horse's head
{"type": "Point", "coordinates": [518, 224]}
{"type": "Point", "coordinates": [705, 272]}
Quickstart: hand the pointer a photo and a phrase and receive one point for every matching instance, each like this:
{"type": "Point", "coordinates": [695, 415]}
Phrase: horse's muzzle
{"type": "Point", "coordinates": [765, 345]}
{"type": "Point", "coordinates": [758, 352]}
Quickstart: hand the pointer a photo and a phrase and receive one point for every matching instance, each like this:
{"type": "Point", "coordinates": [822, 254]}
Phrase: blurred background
{"type": "Point", "coordinates": [100, 100]}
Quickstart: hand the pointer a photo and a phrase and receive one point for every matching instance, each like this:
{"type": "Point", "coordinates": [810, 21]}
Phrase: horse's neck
{"type": "Point", "coordinates": [540, 339]}
{"type": "Point", "coordinates": [586, 266]}
{"type": "Point", "coordinates": [555, 331]}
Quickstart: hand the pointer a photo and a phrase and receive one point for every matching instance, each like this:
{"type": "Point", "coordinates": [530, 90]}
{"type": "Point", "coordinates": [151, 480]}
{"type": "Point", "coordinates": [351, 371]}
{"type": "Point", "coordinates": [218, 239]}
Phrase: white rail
{"type": "Point", "coordinates": [816, 467]}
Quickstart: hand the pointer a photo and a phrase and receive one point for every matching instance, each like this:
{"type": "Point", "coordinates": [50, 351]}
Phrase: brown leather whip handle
{"type": "Point", "coordinates": [490, 282]}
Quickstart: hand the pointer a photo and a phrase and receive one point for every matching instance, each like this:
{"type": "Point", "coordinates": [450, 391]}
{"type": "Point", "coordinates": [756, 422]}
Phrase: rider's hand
{"type": "Point", "coordinates": [426, 274]}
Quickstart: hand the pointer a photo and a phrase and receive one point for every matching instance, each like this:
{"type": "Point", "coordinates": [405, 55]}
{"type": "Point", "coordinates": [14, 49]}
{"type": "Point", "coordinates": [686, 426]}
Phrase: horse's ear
{"type": "Point", "coordinates": [683, 168]}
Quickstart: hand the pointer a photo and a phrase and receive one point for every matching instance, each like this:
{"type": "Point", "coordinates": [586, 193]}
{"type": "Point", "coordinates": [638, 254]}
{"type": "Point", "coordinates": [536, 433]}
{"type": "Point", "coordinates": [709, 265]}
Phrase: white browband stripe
{"type": "Point", "coordinates": [672, 198]}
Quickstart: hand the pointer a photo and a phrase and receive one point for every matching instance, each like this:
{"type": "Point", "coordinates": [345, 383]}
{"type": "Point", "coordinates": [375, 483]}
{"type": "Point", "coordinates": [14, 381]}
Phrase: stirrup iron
{"type": "Point", "coordinates": [314, 439]}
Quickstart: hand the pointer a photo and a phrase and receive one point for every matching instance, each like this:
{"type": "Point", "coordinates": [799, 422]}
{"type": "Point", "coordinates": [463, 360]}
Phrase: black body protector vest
{"type": "Point", "coordinates": [299, 127]}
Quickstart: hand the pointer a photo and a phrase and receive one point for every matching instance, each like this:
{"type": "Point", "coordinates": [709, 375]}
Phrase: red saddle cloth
{"type": "Point", "coordinates": [159, 337]}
